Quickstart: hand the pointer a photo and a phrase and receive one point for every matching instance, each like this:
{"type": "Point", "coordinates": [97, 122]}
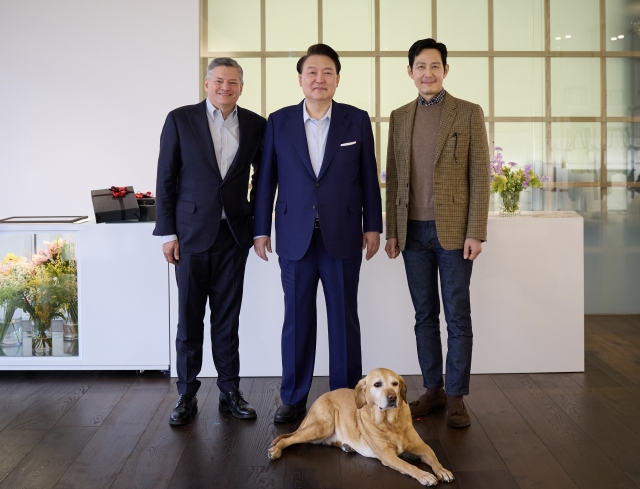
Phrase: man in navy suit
{"type": "Point", "coordinates": [320, 156]}
{"type": "Point", "coordinates": [206, 153]}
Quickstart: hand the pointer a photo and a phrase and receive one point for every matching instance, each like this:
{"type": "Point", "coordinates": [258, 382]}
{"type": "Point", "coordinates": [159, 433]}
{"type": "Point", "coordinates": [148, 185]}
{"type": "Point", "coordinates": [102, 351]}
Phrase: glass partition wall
{"type": "Point", "coordinates": [558, 80]}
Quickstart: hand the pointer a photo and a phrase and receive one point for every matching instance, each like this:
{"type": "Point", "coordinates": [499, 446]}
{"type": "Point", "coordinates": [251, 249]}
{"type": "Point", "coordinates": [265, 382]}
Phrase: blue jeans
{"type": "Point", "coordinates": [423, 258]}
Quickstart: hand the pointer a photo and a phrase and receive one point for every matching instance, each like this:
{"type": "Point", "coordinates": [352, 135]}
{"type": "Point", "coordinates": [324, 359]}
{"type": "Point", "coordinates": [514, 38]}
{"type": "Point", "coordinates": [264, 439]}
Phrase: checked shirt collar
{"type": "Point", "coordinates": [435, 100]}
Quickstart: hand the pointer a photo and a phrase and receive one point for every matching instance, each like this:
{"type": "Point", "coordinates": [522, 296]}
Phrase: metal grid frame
{"type": "Point", "coordinates": [490, 54]}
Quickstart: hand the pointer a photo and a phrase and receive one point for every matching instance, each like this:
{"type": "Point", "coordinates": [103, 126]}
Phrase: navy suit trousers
{"type": "Point", "coordinates": [217, 275]}
{"type": "Point", "coordinates": [340, 280]}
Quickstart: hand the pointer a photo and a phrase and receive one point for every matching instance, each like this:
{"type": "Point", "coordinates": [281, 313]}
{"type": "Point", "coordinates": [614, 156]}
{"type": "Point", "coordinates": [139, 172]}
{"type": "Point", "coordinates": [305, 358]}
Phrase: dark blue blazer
{"type": "Point", "coordinates": [190, 191]}
{"type": "Point", "coordinates": [346, 193]}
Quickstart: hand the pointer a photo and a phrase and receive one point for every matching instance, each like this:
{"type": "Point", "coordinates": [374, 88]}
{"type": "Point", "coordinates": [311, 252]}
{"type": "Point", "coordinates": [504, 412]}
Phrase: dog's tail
{"type": "Point", "coordinates": [286, 435]}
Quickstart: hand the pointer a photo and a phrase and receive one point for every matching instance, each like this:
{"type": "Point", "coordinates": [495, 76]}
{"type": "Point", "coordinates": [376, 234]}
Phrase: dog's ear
{"type": "Point", "coordinates": [360, 394]}
{"type": "Point", "coordinates": [403, 388]}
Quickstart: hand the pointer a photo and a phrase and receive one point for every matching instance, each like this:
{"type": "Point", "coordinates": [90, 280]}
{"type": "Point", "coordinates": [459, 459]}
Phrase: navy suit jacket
{"type": "Point", "coordinates": [346, 193]}
{"type": "Point", "coordinates": [190, 191]}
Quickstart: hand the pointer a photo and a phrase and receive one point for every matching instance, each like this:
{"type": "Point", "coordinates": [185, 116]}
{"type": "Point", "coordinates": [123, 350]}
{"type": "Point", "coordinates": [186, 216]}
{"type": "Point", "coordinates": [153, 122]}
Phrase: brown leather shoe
{"type": "Point", "coordinates": [430, 401]}
{"type": "Point", "coordinates": [458, 416]}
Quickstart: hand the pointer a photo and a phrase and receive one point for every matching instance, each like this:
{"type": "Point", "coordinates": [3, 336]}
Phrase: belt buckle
{"type": "Point", "coordinates": [316, 224]}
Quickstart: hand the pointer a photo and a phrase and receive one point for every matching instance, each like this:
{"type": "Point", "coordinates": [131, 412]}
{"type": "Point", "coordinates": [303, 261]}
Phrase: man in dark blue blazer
{"type": "Point", "coordinates": [320, 156]}
{"type": "Point", "coordinates": [206, 153]}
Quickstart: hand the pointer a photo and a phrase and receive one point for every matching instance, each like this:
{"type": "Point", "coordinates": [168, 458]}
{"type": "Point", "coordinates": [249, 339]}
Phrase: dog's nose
{"type": "Point", "coordinates": [392, 397]}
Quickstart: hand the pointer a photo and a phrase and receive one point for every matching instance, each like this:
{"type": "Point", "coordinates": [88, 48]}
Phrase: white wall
{"type": "Point", "coordinates": [85, 86]}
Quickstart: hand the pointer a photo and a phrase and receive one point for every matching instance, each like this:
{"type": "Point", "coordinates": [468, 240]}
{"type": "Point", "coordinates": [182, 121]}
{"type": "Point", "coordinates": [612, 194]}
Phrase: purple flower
{"type": "Point", "coordinates": [383, 176]}
{"type": "Point", "coordinates": [544, 178]}
{"type": "Point", "coordinates": [525, 184]}
{"type": "Point", "coordinates": [498, 148]}
{"type": "Point", "coordinates": [527, 169]}
{"type": "Point", "coordinates": [513, 163]}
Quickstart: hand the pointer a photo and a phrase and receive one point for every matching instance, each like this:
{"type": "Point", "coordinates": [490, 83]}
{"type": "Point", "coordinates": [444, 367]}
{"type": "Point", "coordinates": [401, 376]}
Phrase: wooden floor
{"type": "Point", "coordinates": [92, 430]}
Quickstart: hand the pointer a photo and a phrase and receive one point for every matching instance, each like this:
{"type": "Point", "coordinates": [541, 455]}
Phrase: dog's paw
{"type": "Point", "coordinates": [347, 448]}
{"type": "Point", "coordinates": [273, 453]}
{"type": "Point", "coordinates": [444, 475]}
{"type": "Point", "coordinates": [427, 479]}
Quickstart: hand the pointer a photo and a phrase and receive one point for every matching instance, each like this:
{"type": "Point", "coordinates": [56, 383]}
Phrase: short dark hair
{"type": "Point", "coordinates": [418, 46]}
{"type": "Point", "coordinates": [320, 49]}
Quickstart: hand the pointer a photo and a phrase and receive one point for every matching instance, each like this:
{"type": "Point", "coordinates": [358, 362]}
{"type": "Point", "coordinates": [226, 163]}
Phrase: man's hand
{"type": "Point", "coordinates": [261, 246]}
{"type": "Point", "coordinates": [371, 241]}
{"type": "Point", "coordinates": [392, 248]}
{"type": "Point", "coordinates": [472, 248]}
{"type": "Point", "coordinates": [171, 251]}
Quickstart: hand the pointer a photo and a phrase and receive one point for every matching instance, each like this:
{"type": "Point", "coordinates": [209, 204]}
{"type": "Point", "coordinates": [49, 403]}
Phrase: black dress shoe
{"type": "Point", "coordinates": [185, 410]}
{"type": "Point", "coordinates": [288, 413]}
{"type": "Point", "coordinates": [234, 403]}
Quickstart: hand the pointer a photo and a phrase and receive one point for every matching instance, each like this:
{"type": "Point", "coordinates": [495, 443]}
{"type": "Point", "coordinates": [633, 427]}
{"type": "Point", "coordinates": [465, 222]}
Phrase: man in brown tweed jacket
{"type": "Point", "coordinates": [437, 208]}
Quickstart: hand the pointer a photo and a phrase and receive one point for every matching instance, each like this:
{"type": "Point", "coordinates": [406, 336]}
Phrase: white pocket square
{"type": "Point", "coordinates": [348, 144]}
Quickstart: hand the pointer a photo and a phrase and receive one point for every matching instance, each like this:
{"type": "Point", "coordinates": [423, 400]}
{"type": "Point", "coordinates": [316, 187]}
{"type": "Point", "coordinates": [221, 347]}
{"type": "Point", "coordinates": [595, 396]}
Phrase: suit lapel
{"type": "Point", "coordinates": [337, 128]}
{"type": "Point", "coordinates": [299, 137]}
{"type": "Point", "coordinates": [244, 130]}
{"type": "Point", "coordinates": [449, 112]}
{"type": "Point", "coordinates": [200, 126]}
{"type": "Point", "coordinates": [407, 132]}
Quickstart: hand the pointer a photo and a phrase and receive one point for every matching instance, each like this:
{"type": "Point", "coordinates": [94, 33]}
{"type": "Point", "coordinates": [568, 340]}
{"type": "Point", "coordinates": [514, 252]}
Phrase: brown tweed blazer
{"type": "Point", "coordinates": [461, 174]}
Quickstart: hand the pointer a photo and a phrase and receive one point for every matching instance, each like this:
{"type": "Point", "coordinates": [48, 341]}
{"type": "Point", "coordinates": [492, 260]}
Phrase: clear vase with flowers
{"type": "Point", "coordinates": [50, 291]}
{"type": "Point", "coordinates": [509, 181]}
{"type": "Point", "coordinates": [13, 274]}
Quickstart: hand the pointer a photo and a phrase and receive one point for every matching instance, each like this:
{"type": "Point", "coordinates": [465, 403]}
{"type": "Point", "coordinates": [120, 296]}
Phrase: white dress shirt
{"type": "Point", "coordinates": [225, 134]}
{"type": "Point", "coordinates": [317, 132]}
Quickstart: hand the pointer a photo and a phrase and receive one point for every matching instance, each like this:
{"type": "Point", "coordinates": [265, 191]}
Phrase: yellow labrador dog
{"type": "Point", "coordinates": [373, 420]}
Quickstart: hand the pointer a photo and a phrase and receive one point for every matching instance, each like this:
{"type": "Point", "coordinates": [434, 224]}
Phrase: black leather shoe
{"type": "Point", "coordinates": [288, 413]}
{"type": "Point", "coordinates": [185, 410]}
{"type": "Point", "coordinates": [234, 403]}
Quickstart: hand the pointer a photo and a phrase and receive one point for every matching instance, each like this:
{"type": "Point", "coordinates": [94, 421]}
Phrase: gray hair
{"type": "Point", "coordinates": [231, 63]}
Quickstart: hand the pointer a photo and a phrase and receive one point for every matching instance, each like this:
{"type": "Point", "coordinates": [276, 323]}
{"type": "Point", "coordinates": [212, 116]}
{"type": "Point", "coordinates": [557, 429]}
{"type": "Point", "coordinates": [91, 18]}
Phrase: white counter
{"type": "Point", "coordinates": [527, 300]}
{"type": "Point", "coordinates": [123, 299]}
{"type": "Point", "coordinates": [527, 303]}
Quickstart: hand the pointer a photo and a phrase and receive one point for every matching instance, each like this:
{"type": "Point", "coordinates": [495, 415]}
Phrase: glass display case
{"type": "Point", "coordinates": [38, 294]}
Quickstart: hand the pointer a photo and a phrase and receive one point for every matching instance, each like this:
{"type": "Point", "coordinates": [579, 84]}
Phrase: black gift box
{"type": "Point", "coordinates": [111, 209]}
{"type": "Point", "coordinates": [147, 209]}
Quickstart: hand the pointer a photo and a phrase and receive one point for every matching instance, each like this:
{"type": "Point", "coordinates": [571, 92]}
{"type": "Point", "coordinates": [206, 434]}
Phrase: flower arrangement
{"type": "Point", "coordinates": [46, 287]}
{"type": "Point", "coordinates": [14, 271]}
{"type": "Point", "coordinates": [509, 181]}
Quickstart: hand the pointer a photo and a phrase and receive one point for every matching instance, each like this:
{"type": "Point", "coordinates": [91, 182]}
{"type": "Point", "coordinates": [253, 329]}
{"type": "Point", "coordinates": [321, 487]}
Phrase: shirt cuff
{"type": "Point", "coordinates": [166, 239]}
{"type": "Point", "coordinates": [263, 236]}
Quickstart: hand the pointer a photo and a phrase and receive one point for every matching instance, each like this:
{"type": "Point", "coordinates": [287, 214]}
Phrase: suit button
{"type": "Point", "coordinates": [314, 206]}
{"type": "Point", "coordinates": [317, 184]}
{"type": "Point", "coordinates": [407, 185]}
{"type": "Point", "coordinates": [221, 186]}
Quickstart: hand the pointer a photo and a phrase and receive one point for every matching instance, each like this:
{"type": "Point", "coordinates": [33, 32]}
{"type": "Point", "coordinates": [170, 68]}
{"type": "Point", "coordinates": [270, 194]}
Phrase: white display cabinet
{"type": "Point", "coordinates": [527, 300]}
{"type": "Point", "coordinates": [122, 288]}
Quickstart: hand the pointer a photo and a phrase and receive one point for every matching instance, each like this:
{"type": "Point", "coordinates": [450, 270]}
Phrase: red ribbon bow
{"type": "Point", "coordinates": [141, 195]}
{"type": "Point", "coordinates": [118, 191]}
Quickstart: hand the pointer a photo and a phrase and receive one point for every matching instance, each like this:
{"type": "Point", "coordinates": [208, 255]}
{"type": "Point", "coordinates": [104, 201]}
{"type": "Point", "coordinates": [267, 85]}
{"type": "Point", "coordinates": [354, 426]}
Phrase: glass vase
{"type": "Point", "coordinates": [510, 204]}
{"type": "Point", "coordinates": [70, 330]}
{"type": "Point", "coordinates": [11, 334]}
{"type": "Point", "coordinates": [41, 343]}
